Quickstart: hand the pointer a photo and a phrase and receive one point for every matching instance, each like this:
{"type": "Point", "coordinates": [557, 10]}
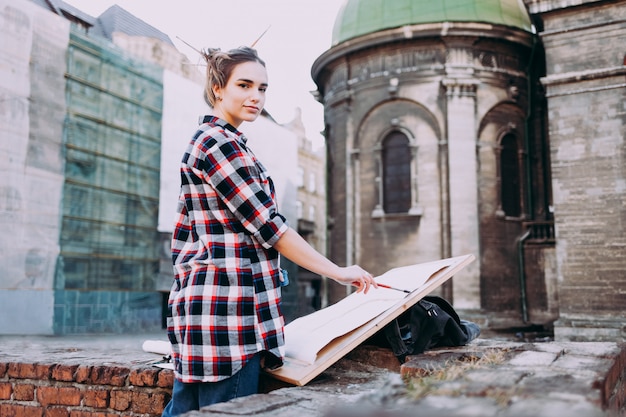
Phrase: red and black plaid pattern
{"type": "Point", "coordinates": [224, 305]}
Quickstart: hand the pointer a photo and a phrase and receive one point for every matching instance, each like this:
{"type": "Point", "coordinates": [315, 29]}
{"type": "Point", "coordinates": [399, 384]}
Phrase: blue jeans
{"type": "Point", "coordinates": [193, 396]}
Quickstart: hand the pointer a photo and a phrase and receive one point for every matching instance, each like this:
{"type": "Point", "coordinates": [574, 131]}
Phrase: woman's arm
{"type": "Point", "coordinates": [296, 249]}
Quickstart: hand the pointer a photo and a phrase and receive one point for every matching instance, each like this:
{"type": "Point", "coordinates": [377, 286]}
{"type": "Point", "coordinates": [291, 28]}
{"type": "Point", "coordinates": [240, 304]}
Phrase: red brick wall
{"type": "Point", "coordinates": [39, 390]}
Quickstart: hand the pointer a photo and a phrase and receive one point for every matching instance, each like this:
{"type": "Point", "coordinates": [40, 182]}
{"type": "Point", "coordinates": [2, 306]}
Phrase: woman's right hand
{"type": "Point", "coordinates": [357, 276]}
{"type": "Point", "coordinates": [295, 248]}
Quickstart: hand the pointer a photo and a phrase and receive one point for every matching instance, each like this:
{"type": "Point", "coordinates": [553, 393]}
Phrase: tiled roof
{"type": "Point", "coordinates": [116, 19]}
{"type": "Point", "coordinates": [79, 14]}
{"type": "Point", "coordinates": [50, 5]}
{"type": "Point", "coordinates": [63, 9]}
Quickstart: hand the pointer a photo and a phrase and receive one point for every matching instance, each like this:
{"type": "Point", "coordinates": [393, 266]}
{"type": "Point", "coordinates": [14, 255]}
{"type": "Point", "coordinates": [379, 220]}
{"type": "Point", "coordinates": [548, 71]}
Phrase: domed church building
{"type": "Point", "coordinates": [438, 116]}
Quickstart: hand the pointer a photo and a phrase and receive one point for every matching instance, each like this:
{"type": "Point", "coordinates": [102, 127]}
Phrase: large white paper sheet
{"type": "Point", "coordinates": [305, 337]}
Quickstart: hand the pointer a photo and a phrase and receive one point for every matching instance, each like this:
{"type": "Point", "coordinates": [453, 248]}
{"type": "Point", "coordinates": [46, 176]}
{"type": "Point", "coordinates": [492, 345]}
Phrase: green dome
{"type": "Point", "coordinates": [360, 17]}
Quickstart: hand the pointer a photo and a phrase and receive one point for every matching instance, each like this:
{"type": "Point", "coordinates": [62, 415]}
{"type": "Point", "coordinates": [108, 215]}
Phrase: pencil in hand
{"type": "Point", "coordinates": [393, 288]}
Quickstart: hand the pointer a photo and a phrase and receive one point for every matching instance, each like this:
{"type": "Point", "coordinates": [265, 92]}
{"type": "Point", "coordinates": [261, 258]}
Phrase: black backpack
{"type": "Point", "coordinates": [430, 323]}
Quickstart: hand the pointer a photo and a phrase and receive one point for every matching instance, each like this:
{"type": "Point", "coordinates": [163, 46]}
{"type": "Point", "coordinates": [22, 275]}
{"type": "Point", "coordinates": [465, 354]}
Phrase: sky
{"type": "Point", "coordinates": [299, 32]}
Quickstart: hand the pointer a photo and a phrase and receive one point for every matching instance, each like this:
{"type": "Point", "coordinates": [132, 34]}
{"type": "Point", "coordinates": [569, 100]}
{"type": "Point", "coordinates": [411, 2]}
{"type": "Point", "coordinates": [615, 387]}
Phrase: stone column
{"type": "Point", "coordinates": [351, 196]}
{"type": "Point", "coordinates": [462, 185]}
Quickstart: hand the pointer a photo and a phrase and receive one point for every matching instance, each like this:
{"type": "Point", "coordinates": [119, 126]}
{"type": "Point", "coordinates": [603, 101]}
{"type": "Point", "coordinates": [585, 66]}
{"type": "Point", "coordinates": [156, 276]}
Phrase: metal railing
{"type": "Point", "coordinates": [541, 232]}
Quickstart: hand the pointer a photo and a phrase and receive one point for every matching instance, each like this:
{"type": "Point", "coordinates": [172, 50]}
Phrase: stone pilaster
{"type": "Point", "coordinates": [462, 165]}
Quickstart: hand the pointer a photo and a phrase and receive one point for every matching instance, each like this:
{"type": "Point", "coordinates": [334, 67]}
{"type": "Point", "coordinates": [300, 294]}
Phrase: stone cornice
{"type": "Point", "coordinates": [587, 75]}
{"type": "Point", "coordinates": [418, 32]}
{"type": "Point", "coordinates": [544, 6]}
{"type": "Point", "coordinates": [584, 81]}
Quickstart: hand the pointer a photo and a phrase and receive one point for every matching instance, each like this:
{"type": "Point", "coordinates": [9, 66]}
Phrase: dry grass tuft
{"type": "Point", "coordinates": [430, 381]}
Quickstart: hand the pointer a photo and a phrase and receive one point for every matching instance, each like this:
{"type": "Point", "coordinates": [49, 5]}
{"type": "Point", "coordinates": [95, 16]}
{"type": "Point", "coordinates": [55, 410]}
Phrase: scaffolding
{"type": "Point", "coordinates": [112, 142]}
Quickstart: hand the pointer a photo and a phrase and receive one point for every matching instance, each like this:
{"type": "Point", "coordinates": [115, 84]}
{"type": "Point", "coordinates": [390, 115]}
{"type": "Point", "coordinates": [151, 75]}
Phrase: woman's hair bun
{"type": "Point", "coordinates": [209, 53]}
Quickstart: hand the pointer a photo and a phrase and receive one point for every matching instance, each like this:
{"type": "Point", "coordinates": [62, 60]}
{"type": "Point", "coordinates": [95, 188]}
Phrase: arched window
{"type": "Point", "coordinates": [396, 167]}
{"type": "Point", "coordinates": [510, 184]}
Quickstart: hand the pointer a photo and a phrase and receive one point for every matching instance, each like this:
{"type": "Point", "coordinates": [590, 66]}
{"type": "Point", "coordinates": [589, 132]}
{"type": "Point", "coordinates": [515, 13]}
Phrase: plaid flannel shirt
{"type": "Point", "coordinates": [224, 305]}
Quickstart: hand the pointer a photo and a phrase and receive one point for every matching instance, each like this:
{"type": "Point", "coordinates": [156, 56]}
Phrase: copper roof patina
{"type": "Point", "coordinates": [361, 17]}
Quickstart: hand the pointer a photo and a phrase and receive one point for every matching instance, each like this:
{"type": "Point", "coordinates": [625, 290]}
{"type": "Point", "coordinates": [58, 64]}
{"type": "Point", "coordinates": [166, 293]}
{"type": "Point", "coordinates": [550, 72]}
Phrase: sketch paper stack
{"type": "Point", "coordinates": [315, 342]}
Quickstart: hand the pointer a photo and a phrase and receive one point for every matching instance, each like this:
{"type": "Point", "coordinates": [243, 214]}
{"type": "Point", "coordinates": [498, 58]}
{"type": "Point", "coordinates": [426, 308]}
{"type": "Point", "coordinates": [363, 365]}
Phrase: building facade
{"type": "Point", "coordinates": [82, 257]}
{"type": "Point", "coordinates": [585, 88]}
{"type": "Point", "coordinates": [96, 115]}
{"type": "Point", "coordinates": [31, 168]}
{"type": "Point", "coordinates": [451, 129]}
{"type": "Point", "coordinates": [311, 215]}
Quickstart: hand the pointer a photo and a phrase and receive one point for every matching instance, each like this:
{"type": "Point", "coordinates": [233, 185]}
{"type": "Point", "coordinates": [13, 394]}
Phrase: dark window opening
{"type": "Point", "coordinates": [396, 157]}
{"type": "Point", "coordinates": [510, 177]}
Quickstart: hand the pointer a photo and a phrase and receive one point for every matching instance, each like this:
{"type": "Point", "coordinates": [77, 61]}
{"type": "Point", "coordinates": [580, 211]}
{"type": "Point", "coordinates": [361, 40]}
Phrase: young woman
{"type": "Point", "coordinates": [224, 320]}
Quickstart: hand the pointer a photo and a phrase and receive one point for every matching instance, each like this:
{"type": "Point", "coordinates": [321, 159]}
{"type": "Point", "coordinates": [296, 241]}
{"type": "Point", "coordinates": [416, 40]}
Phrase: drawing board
{"type": "Point", "coordinates": [316, 341]}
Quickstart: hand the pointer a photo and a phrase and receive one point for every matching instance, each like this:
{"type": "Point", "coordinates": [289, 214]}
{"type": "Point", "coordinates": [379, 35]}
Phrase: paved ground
{"type": "Point", "coordinates": [493, 376]}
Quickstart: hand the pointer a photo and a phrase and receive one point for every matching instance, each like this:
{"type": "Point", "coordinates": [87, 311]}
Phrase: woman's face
{"type": "Point", "coordinates": [243, 96]}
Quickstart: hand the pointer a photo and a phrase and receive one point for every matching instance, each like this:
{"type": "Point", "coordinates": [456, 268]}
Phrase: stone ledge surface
{"type": "Point", "coordinates": [584, 379]}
